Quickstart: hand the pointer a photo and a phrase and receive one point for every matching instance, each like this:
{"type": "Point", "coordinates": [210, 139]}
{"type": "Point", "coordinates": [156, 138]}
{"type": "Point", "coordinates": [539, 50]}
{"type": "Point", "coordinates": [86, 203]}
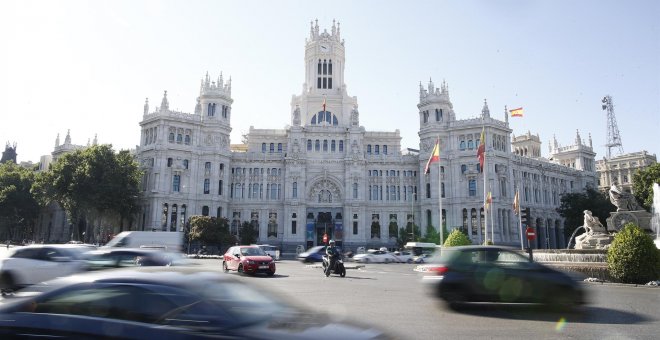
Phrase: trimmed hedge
{"type": "Point", "coordinates": [633, 257]}
{"type": "Point", "coordinates": [457, 238]}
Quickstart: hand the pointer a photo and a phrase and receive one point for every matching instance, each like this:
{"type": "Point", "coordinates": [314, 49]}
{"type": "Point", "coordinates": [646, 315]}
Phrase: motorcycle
{"type": "Point", "coordinates": [339, 266]}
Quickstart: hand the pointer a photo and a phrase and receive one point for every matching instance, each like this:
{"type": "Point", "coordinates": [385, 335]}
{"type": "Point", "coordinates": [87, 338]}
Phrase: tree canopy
{"type": "Point", "coordinates": [18, 207]}
{"type": "Point", "coordinates": [643, 184]}
{"type": "Point", "coordinates": [210, 231]}
{"type": "Point", "coordinates": [573, 205]}
{"type": "Point", "coordinates": [92, 183]}
{"type": "Point", "coordinates": [249, 233]}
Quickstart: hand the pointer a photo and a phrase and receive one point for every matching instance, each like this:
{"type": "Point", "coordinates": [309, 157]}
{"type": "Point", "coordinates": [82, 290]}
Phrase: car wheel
{"type": "Point", "coordinates": [240, 269]}
{"type": "Point", "coordinates": [343, 272]}
{"type": "Point", "coordinates": [7, 282]}
{"type": "Point", "coordinates": [224, 267]}
{"type": "Point", "coordinates": [270, 273]}
{"type": "Point", "coordinates": [453, 297]}
{"type": "Point", "coordinates": [409, 261]}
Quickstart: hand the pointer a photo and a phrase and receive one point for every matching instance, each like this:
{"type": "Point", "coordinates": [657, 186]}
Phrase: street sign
{"type": "Point", "coordinates": [531, 234]}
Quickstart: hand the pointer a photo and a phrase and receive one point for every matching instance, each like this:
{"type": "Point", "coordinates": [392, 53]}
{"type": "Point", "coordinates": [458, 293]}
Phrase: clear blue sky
{"type": "Point", "coordinates": [87, 66]}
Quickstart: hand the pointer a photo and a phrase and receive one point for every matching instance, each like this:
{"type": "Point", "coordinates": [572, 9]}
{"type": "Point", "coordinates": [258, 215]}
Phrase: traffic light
{"type": "Point", "coordinates": [524, 217]}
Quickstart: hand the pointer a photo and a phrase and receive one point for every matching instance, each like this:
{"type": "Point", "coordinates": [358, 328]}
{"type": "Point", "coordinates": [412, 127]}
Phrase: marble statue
{"type": "Point", "coordinates": [623, 201]}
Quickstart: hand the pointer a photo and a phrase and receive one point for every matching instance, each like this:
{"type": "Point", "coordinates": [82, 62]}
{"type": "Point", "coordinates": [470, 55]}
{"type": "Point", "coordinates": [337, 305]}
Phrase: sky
{"type": "Point", "coordinates": [87, 66]}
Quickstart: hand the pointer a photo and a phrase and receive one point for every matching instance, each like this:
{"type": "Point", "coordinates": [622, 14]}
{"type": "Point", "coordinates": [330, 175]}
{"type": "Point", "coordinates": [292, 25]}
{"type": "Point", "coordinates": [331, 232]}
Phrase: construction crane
{"type": "Point", "coordinates": [613, 136]}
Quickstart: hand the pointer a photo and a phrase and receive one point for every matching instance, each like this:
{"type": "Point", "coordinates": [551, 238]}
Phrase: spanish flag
{"type": "Point", "coordinates": [516, 203]}
{"type": "Point", "coordinates": [435, 157]}
{"type": "Point", "coordinates": [482, 150]}
{"type": "Point", "coordinates": [516, 112]}
{"type": "Point", "coordinates": [489, 200]}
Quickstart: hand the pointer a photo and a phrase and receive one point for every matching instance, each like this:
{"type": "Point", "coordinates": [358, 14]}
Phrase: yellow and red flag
{"type": "Point", "coordinates": [516, 203]}
{"type": "Point", "coordinates": [435, 157]}
{"type": "Point", "coordinates": [481, 151]}
{"type": "Point", "coordinates": [489, 200]}
{"type": "Point", "coordinates": [516, 112]}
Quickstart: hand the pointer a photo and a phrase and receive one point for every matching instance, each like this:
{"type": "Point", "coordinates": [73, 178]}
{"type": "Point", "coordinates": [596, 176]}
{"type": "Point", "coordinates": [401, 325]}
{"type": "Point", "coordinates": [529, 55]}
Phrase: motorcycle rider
{"type": "Point", "coordinates": [333, 254]}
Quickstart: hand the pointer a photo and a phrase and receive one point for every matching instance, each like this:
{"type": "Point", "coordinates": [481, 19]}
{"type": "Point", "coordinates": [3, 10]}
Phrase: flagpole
{"type": "Point", "coordinates": [492, 219]}
{"type": "Point", "coordinates": [485, 171]}
{"type": "Point", "coordinates": [522, 244]}
{"type": "Point", "coordinates": [440, 195]}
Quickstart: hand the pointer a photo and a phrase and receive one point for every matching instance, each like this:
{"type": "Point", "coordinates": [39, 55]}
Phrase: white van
{"type": "Point", "coordinates": [272, 251]}
{"type": "Point", "coordinates": [164, 240]}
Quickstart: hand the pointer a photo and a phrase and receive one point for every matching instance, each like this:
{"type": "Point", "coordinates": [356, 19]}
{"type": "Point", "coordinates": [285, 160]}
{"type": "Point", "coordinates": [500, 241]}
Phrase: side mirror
{"type": "Point", "coordinates": [238, 255]}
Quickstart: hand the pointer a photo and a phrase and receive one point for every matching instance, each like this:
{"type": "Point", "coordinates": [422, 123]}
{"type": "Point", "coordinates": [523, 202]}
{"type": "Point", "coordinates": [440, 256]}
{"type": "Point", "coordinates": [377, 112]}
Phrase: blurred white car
{"type": "Point", "coordinates": [422, 258]}
{"type": "Point", "coordinates": [376, 256]}
{"type": "Point", "coordinates": [37, 263]}
{"type": "Point", "coordinates": [272, 251]}
{"type": "Point", "coordinates": [404, 256]}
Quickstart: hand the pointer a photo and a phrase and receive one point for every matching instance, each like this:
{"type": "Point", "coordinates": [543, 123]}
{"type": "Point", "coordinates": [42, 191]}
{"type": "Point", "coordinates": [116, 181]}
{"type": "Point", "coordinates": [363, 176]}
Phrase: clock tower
{"type": "Point", "coordinates": [324, 89]}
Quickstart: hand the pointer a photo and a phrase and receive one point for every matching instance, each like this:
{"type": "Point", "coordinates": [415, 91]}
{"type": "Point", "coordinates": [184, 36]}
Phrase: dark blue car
{"type": "Point", "coordinates": [313, 254]}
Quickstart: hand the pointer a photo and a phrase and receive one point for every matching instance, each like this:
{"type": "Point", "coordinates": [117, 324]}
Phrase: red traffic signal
{"type": "Point", "coordinates": [531, 233]}
{"type": "Point", "coordinates": [325, 238]}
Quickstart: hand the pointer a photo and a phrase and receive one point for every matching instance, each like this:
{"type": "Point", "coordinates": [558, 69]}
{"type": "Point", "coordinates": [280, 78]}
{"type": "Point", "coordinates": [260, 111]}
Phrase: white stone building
{"type": "Point", "coordinates": [325, 173]}
{"type": "Point", "coordinates": [620, 169]}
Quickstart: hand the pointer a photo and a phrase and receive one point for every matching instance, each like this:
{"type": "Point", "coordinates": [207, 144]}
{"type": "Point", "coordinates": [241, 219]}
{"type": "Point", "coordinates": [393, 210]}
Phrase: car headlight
{"type": "Point", "coordinates": [250, 262]}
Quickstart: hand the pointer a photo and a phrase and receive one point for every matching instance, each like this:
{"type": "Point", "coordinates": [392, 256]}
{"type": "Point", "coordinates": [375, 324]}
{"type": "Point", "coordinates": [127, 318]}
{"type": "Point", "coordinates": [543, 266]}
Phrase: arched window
{"type": "Point", "coordinates": [473, 221]}
{"type": "Point", "coordinates": [465, 220]}
{"type": "Point", "coordinates": [309, 145]}
{"type": "Point", "coordinates": [187, 139]}
{"type": "Point", "coordinates": [295, 190]}
{"type": "Point", "coordinates": [377, 149]}
{"type": "Point", "coordinates": [185, 164]}
{"type": "Point", "coordinates": [330, 68]}
{"type": "Point", "coordinates": [263, 147]}
{"type": "Point", "coordinates": [317, 145]}
{"type": "Point", "coordinates": [384, 149]}
{"type": "Point", "coordinates": [272, 147]}
{"type": "Point", "coordinates": [183, 214]}
{"type": "Point", "coordinates": [470, 144]}
{"type": "Point", "coordinates": [333, 146]}
{"type": "Point", "coordinates": [369, 149]}
{"type": "Point", "coordinates": [325, 145]}
{"type": "Point", "coordinates": [438, 115]}
{"type": "Point", "coordinates": [463, 168]}
{"type": "Point", "coordinates": [173, 218]}
{"type": "Point", "coordinates": [341, 146]}
{"type": "Point", "coordinates": [170, 138]}
{"type": "Point", "coordinates": [279, 147]}
{"type": "Point", "coordinates": [163, 219]}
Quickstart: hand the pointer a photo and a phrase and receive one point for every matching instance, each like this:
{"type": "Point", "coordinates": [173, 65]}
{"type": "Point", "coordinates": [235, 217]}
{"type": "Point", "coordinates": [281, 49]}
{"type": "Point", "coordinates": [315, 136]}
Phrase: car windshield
{"type": "Point", "coordinates": [252, 251]}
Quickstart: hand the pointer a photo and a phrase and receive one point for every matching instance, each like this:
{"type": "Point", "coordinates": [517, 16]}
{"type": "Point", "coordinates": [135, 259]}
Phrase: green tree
{"type": "Point", "coordinates": [93, 184]}
{"type": "Point", "coordinates": [643, 184]}
{"type": "Point", "coordinates": [249, 233]}
{"type": "Point", "coordinates": [211, 231]}
{"type": "Point", "coordinates": [457, 238]}
{"type": "Point", "coordinates": [406, 235]}
{"type": "Point", "coordinates": [432, 235]}
{"type": "Point", "coordinates": [18, 207]}
{"type": "Point", "coordinates": [633, 257]}
{"type": "Point", "coordinates": [573, 205]}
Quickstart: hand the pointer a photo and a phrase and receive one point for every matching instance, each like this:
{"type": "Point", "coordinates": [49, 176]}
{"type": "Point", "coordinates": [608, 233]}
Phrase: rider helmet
{"type": "Point", "coordinates": [332, 241]}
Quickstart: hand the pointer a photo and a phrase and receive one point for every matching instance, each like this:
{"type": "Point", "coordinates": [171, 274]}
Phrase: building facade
{"type": "Point", "coordinates": [620, 169]}
{"type": "Point", "coordinates": [325, 174]}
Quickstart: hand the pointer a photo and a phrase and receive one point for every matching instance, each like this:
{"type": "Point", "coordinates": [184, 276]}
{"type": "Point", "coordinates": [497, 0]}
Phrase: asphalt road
{"type": "Point", "coordinates": [391, 297]}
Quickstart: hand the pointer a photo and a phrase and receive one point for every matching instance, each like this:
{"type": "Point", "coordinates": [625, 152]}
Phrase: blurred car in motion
{"type": "Point", "coordinates": [164, 303]}
{"type": "Point", "coordinates": [36, 263]}
{"type": "Point", "coordinates": [271, 251]}
{"type": "Point", "coordinates": [126, 257]}
{"type": "Point", "coordinates": [313, 254]}
{"type": "Point", "coordinates": [497, 274]}
{"type": "Point", "coordinates": [376, 256]}
{"type": "Point", "coordinates": [248, 260]}
{"type": "Point", "coordinates": [422, 258]}
{"type": "Point", "coordinates": [403, 256]}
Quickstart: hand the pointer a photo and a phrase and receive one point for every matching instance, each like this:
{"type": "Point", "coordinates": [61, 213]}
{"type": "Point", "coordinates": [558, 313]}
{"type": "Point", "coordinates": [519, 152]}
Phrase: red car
{"type": "Point", "coordinates": [248, 260]}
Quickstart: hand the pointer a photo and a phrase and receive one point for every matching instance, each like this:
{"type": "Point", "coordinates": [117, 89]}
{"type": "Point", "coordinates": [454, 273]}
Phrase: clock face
{"type": "Point", "coordinates": [325, 48]}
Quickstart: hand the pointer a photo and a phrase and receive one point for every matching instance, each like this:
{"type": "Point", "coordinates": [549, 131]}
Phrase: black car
{"type": "Point", "coordinates": [497, 274]}
{"type": "Point", "coordinates": [163, 303]}
{"type": "Point", "coordinates": [126, 257]}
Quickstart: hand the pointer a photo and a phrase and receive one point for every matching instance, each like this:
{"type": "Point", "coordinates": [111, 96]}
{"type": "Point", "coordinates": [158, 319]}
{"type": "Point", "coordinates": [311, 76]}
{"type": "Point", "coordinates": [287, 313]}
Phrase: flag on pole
{"type": "Point", "coordinates": [516, 112]}
{"type": "Point", "coordinates": [516, 203]}
{"type": "Point", "coordinates": [323, 104]}
{"type": "Point", "coordinates": [481, 151]}
{"type": "Point", "coordinates": [489, 200]}
{"type": "Point", "coordinates": [435, 157]}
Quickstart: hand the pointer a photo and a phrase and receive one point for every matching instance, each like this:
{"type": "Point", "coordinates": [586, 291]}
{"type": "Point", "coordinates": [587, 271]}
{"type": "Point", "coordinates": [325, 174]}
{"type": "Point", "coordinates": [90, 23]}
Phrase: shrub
{"type": "Point", "coordinates": [633, 257]}
{"type": "Point", "coordinates": [457, 238]}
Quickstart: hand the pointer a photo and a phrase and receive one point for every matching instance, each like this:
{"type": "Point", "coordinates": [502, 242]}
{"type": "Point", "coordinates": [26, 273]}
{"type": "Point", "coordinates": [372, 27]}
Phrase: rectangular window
{"type": "Point", "coordinates": [294, 227]}
{"type": "Point", "coordinates": [355, 227]}
{"type": "Point", "coordinates": [220, 187]}
{"type": "Point", "coordinates": [176, 183]}
{"type": "Point", "coordinates": [207, 185]}
{"type": "Point", "coordinates": [472, 187]}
